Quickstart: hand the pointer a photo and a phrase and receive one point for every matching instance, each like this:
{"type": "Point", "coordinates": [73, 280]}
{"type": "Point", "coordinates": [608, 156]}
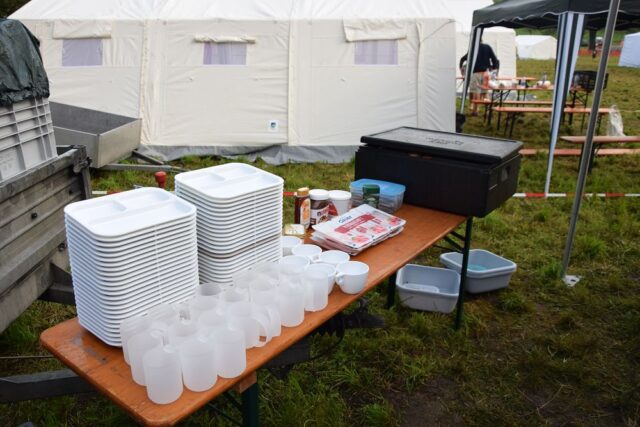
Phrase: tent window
{"type": "Point", "coordinates": [376, 52]}
{"type": "Point", "coordinates": [81, 52]}
{"type": "Point", "coordinates": [225, 54]}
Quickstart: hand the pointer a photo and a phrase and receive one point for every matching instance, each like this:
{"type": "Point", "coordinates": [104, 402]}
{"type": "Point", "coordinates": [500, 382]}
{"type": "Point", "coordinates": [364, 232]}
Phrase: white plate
{"type": "Point", "coordinates": [86, 249]}
{"type": "Point", "coordinates": [138, 236]}
{"type": "Point", "coordinates": [228, 181]}
{"type": "Point", "coordinates": [123, 213]}
{"type": "Point", "coordinates": [222, 265]}
{"type": "Point", "coordinates": [110, 313]}
{"type": "Point", "coordinates": [222, 246]}
{"type": "Point", "coordinates": [132, 266]}
{"type": "Point", "coordinates": [133, 281]}
{"type": "Point", "coordinates": [272, 195]}
{"type": "Point", "coordinates": [247, 206]}
{"type": "Point", "coordinates": [114, 305]}
{"type": "Point", "coordinates": [144, 239]}
{"type": "Point", "coordinates": [229, 252]}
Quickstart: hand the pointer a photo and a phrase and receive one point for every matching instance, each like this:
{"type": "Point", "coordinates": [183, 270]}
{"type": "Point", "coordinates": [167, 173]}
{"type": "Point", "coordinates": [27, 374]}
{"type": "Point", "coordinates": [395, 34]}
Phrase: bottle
{"type": "Point", "coordinates": [319, 206]}
{"type": "Point", "coordinates": [302, 214]}
{"type": "Point", "coordinates": [371, 195]}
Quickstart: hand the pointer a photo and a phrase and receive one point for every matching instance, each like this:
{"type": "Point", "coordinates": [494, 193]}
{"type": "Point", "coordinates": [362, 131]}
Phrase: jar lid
{"type": "Point", "coordinates": [371, 187]}
{"type": "Point", "coordinates": [302, 192]}
{"type": "Point", "coordinates": [339, 195]}
{"type": "Point", "coordinates": [318, 194]}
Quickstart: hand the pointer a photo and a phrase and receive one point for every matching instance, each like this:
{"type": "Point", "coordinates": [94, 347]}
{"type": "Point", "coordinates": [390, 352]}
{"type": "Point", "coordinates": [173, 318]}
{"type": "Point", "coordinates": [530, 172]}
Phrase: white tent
{"type": "Point", "coordinates": [536, 47]}
{"type": "Point", "coordinates": [502, 40]}
{"type": "Point", "coordinates": [236, 76]}
{"type": "Point", "coordinates": [630, 54]}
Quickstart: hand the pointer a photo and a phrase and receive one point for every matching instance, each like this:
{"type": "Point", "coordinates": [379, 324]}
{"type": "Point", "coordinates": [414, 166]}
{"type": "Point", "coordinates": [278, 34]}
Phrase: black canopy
{"type": "Point", "coordinates": [544, 13]}
{"type": "Point", "coordinates": [22, 75]}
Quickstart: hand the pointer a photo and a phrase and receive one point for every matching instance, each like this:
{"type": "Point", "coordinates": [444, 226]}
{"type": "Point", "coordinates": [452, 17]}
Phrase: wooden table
{"type": "Point", "coordinates": [598, 142]}
{"type": "Point", "coordinates": [513, 112]}
{"type": "Point", "coordinates": [104, 366]}
{"type": "Point", "coordinates": [500, 94]}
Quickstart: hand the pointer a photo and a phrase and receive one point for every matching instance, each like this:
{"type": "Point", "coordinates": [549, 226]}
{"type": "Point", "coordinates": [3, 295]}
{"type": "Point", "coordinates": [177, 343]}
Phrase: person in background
{"type": "Point", "coordinates": [486, 61]}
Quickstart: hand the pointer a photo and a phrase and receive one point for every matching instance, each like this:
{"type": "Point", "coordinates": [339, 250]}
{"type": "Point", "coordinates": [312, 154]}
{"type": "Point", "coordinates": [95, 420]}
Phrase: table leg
{"type": "Point", "coordinates": [391, 290]}
{"type": "Point", "coordinates": [251, 407]}
{"type": "Point", "coordinates": [463, 271]}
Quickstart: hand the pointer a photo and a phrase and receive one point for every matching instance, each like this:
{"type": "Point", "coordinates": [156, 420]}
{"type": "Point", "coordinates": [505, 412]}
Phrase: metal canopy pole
{"type": "Point", "coordinates": [472, 56]}
{"type": "Point", "coordinates": [569, 36]}
{"type": "Point", "coordinates": [585, 158]}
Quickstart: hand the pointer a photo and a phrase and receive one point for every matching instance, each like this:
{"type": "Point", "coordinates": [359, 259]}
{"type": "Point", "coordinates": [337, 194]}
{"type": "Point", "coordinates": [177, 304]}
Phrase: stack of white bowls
{"type": "Point", "coordinates": [129, 252]}
{"type": "Point", "coordinates": [239, 217]}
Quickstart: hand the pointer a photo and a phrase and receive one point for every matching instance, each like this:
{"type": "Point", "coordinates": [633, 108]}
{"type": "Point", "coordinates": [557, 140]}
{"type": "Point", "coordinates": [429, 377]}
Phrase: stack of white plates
{"type": "Point", "coordinates": [239, 217]}
{"type": "Point", "coordinates": [129, 252]}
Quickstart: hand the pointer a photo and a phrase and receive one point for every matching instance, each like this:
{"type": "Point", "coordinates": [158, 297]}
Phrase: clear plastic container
{"type": "Point", "coordinates": [486, 271]}
{"type": "Point", "coordinates": [391, 194]}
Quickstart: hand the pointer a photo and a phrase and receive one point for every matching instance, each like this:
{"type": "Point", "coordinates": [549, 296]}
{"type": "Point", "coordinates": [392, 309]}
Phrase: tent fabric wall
{"type": "Point", "coordinates": [299, 87]}
{"type": "Point", "coordinates": [536, 47]}
{"type": "Point", "coordinates": [630, 54]}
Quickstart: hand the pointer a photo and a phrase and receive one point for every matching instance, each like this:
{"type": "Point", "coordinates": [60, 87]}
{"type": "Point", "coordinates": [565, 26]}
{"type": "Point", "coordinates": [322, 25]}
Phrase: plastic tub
{"type": "Point", "coordinates": [391, 194]}
{"type": "Point", "coordinates": [428, 288]}
{"type": "Point", "coordinates": [486, 271]}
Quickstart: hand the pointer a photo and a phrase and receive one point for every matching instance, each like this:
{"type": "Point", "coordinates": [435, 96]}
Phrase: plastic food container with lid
{"type": "Point", "coordinates": [391, 194]}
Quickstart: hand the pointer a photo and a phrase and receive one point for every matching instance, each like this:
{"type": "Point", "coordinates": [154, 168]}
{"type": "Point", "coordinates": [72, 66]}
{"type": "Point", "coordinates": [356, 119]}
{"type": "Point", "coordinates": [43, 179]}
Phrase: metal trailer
{"type": "Point", "coordinates": [33, 255]}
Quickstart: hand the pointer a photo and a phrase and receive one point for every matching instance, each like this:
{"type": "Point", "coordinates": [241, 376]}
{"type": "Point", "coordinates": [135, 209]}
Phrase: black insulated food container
{"type": "Point", "coordinates": [468, 175]}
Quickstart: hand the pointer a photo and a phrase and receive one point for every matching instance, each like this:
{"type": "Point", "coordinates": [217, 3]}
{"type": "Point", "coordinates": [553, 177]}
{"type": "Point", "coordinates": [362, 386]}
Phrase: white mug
{"type": "Point", "coordinates": [334, 257]}
{"type": "Point", "coordinates": [288, 243]}
{"type": "Point", "coordinates": [296, 261]}
{"type": "Point", "coordinates": [352, 276]}
{"type": "Point", "coordinates": [307, 250]}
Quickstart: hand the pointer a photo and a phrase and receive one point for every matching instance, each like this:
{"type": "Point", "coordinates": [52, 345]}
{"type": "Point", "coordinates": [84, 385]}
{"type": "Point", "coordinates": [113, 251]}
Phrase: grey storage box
{"type": "Point", "coordinates": [108, 137]}
{"type": "Point", "coordinates": [26, 136]}
{"type": "Point", "coordinates": [486, 271]}
{"type": "Point", "coordinates": [428, 288]}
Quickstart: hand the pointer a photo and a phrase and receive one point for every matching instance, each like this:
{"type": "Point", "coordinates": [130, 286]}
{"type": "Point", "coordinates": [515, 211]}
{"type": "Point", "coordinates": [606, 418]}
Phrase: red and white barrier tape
{"type": "Point", "coordinates": [561, 195]}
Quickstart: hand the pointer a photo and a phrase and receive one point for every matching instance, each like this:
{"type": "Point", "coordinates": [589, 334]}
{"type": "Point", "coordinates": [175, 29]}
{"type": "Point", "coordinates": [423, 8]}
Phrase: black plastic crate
{"type": "Point", "coordinates": [586, 79]}
{"type": "Point", "coordinates": [462, 174]}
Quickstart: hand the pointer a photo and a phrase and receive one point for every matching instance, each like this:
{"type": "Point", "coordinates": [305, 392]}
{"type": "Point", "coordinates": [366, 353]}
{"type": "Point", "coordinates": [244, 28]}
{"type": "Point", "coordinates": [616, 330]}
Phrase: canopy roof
{"type": "Point", "coordinates": [544, 13]}
{"type": "Point", "coordinates": [240, 9]}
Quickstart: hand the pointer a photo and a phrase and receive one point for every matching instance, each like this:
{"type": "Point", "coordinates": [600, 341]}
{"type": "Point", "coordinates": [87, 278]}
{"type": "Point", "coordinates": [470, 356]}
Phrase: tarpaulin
{"type": "Point", "coordinates": [22, 75]}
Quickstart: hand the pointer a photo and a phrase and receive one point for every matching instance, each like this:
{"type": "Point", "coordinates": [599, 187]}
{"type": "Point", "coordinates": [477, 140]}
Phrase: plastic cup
{"type": "Point", "coordinates": [139, 345]}
{"type": "Point", "coordinates": [288, 243]}
{"type": "Point", "coordinates": [163, 375]}
{"type": "Point", "coordinates": [199, 304]}
{"type": "Point", "coordinates": [209, 290]}
{"type": "Point", "coordinates": [210, 320]}
{"type": "Point", "coordinates": [245, 315]}
{"type": "Point", "coordinates": [234, 294]}
{"type": "Point", "coordinates": [307, 250]}
{"type": "Point", "coordinates": [328, 269]}
{"type": "Point", "coordinates": [163, 312]}
{"type": "Point", "coordinates": [230, 352]}
{"type": "Point", "coordinates": [315, 283]}
{"type": "Point", "coordinates": [197, 359]}
{"type": "Point", "coordinates": [181, 330]}
{"type": "Point", "coordinates": [130, 327]}
{"type": "Point", "coordinates": [291, 299]}
{"type": "Point", "coordinates": [352, 276]}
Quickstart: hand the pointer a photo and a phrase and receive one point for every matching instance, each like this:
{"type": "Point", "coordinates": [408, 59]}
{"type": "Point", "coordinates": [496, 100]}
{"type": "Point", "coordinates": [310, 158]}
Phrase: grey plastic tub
{"type": "Point", "coordinates": [486, 271]}
{"type": "Point", "coordinates": [428, 288]}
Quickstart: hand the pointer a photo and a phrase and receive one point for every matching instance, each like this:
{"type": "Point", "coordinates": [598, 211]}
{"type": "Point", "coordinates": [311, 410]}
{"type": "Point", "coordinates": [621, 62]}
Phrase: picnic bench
{"type": "Point", "coordinates": [514, 112]}
{"type": "Point", "coordinates": [104, 367]}
{"type": "Point", "coordinates": [598, 142]}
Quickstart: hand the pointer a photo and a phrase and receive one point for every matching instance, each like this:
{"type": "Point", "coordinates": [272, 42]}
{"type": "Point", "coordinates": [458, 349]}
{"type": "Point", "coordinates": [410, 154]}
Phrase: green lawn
{"type": "Point", "coordinates": [536, 353]}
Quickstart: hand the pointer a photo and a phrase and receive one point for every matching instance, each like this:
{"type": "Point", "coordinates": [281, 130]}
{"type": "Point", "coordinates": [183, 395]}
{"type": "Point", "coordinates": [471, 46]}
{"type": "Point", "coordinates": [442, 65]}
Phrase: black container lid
{"type": "Point", "coordinates": [472, 148]}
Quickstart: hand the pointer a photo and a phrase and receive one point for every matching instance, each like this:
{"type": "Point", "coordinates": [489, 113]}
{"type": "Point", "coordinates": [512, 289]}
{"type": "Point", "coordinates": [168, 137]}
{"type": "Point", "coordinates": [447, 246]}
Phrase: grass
{"type": "Point", "coordinates": [536, 353]}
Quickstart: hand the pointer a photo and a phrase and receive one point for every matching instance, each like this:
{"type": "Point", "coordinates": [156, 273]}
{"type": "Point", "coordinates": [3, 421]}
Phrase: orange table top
{"type": "Point", "coordinates": [104, 367]}
{"type": "Point", "coordinates": [527, 88]}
